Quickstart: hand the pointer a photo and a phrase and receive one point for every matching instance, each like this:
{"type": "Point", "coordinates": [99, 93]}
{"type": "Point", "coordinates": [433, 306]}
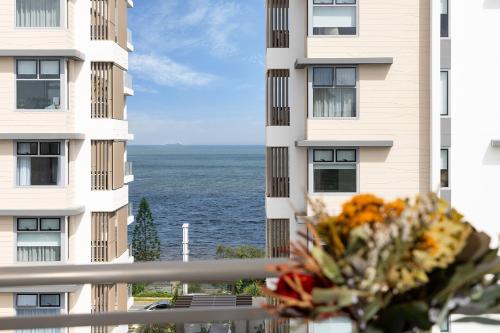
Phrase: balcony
{"type": "Point", "coordinates": [130, 41]}
{"type": "Point", "coordinates": [131, 217]}
{"type": "Point", "coordinates": [192, 272]}
{"type": "Point", "coordinates": [128, 84]}
{"type": "Point", "coordinates": [129, 176]}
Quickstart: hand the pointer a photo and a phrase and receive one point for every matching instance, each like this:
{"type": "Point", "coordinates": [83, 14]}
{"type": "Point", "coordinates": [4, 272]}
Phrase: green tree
{"type": "Point", "coordinates": [145, 240]}
{"type": "Point", "coordinates": [243, 287]}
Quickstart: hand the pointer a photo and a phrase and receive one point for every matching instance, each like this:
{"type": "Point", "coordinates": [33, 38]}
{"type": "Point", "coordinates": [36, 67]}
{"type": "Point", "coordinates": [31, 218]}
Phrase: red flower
{"type": "Point", "coordinates": [306, 281]}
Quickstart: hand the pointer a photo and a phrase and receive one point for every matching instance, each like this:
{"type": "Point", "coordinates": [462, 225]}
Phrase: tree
{"type": "Point", "coordinates": [243, 287]}
{"type": "Point", "coordinates": [145, 240]}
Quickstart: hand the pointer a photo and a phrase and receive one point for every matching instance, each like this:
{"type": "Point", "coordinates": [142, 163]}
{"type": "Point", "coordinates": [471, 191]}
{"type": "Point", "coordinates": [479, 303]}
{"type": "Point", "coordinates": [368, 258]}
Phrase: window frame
{"type": "Point", "coordinates": [63, 226]}
{"type": "Point", "coordinates": [448, 108]}
{"type": "Point", "coordinates": [310, 28]}
{"type": "Point", "coordinates": [63, 17]}
{"type": "Point", "coordinates": [447, 168]}
{"type": "Point", "coordinates": [63, 301]}
{"type": "Point", "coordinates": [310, 97]}
{"type": "Point", "coordinates": [62, 179]}
{"type": "Point", "coordinates": [63, 82]}
{"type": "Point", "coordinates": [311, 164]}
{"type": "Point", "coordinates": [448, 3]}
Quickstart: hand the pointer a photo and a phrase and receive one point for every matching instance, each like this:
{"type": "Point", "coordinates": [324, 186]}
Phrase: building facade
{"type": "Point", "coordinates": [376, 97]}
{"type": "Point", "coordinates": [63, 149]}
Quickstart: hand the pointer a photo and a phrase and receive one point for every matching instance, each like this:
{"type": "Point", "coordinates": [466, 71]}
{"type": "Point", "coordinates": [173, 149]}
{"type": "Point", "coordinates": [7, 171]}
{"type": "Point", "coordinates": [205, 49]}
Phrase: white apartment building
{"type": "Point", "coordinates": [63, 149]}
{"type": "Point", "coordinates": [393, 98]}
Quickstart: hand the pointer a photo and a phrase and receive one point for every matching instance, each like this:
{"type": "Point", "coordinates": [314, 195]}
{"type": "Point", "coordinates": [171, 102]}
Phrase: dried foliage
{"type": "Point", "coordinates": [389, 266]}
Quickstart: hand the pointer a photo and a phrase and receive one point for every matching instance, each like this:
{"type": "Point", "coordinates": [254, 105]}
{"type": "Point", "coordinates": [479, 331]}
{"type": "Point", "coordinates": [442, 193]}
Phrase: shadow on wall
{"type": "Point", "coordinates": [492, 155]}
{"type": "Point", "coordinates": [374, 72]}
{"type": "Point", "coordinates": [491, 4]}
{"type": "Point", "coordinates": [374, 155]}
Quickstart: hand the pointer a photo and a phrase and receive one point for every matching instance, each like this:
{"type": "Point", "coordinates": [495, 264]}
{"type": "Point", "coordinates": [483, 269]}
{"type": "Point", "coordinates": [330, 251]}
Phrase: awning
{"type": "Point", "coordinates": [61, 53]}
{"type": "Point", "coordinates": [42, 136]}
{"type": "Point", "coordinates": [305, 62]}
{"type": "Point", "coordinates": [344, 143]}
{"type": "Point", "coordinates": [72, 211]}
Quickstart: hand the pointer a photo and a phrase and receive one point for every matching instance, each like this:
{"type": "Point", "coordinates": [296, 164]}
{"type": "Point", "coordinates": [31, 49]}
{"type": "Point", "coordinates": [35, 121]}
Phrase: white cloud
{"type": "Point", "coordinates": [214, 25]}
{"type": "Point", "coordinates": [166, 72]}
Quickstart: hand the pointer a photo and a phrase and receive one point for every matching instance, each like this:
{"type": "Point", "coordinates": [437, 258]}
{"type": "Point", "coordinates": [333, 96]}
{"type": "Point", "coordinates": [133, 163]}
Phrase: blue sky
{"type": "Point", "coordinates": [198, 70]}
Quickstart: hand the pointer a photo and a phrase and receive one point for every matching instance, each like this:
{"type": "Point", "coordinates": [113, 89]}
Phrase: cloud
{"type": "Point", "coordinates": [213, 25]}
{"type": "Point", "coordinates": [166, 72]}
{"type": "Point", "coordinates": [158, 129]}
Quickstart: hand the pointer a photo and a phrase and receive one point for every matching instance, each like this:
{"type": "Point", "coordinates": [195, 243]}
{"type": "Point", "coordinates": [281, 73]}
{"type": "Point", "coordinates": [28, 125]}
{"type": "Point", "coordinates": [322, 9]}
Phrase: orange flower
{"type": "Point", "coordinates": [428, 243]}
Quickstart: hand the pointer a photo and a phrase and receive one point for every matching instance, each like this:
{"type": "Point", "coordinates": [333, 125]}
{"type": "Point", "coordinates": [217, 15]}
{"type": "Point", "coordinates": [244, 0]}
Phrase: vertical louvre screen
{"type": "Point", "coordinates": [102, 19]}
{"type": "Point", "coordinates": [99, 241]}
{"type": "Point", "coordinates": [103, 300]}
{"type": "Point", "coordinates": [278, 238]}
{"type": "Point", "coordinates": [278, 111]}
{"type": "Point", "coordinates": [277, 24]}
{"type": "Point", "coordinates": [278, 180]}
{"type": "Point", "coordinates": [102, 89]}
{"type": "Point", "coordinates": [102, 165]}
{"type": "Point", "coordinates": [276, 325]}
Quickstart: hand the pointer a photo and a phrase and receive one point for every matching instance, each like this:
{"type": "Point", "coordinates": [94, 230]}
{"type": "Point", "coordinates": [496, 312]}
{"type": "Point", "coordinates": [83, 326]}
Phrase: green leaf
{"type": "Point", "coordinates": [339, 296]}
{"type": "Point", "coordinates": [328, 265]}
{"type": "Point", "coordinates": [404, 317]}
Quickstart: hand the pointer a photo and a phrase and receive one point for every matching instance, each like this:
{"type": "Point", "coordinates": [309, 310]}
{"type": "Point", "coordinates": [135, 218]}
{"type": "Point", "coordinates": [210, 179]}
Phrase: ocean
{"type": "Point", "coordinates": [218, 190]}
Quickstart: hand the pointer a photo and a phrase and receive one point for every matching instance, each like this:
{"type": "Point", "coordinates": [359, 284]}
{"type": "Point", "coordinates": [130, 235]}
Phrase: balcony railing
{"type": "Point", "coordinates": [130, 40]}
{"type": "Point", "coordinates": [128, 84]}
{"type": "Point", "coordinates": [129, 171]}
{"type": "Point", "coordinates": [202, 271]}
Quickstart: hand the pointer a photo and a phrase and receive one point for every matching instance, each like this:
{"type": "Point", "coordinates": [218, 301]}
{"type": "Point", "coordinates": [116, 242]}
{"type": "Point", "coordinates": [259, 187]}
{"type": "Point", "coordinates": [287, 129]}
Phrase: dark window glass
{"type": "Point", "coordinates": [26, 69]}
{"type": "Point", "coordinates": [50, 300]}
{"type": "Point", "coordinates": [329, 2]}
{"type": "Point", "coordinates": [322, 77]}
{"type": "Point", "coordinates": [27, 148]}
{"type": "Point", "coordinates": [49, 69]}
{"type": "Point", "coordinates": [50, 148]}
{"type": "Point", "coordinates": [44, 170]}
{"type": "Point", "coordinates": [444, 25]}
{"type": "Point", "coordinates": [26, 224]}
{"type": "Point", "coordinates": [26, 300]}
{"type": "Point", "coordinates": [445, 180]}
{"type": "Point", "coordinates": [341, 31]}
{"type": "Point", "coordinates": [38, 94]}
{"type": "Point", "coordinates": [349, 2]}
{"type": "Point", "coordinates": [334, 178]}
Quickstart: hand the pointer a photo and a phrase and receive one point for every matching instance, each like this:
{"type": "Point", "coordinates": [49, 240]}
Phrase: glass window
{"type": "Point", "coordinates": [27, 224]}
{"type": "Point", "coordinates": [334, 98]}
{"type": "Point", "coordinates": [346, 155]}
{"type": "Point", "coordinates": [50, 224]}
{"type": "Point", "coordinates": [26, 69]}
{"type": "Point", "coordinates": [38, 168]}
{"type": "Point", "coordinates": [50, 300]}
{"type": "Point", "coordinates": [38, 90]}
{"type": "Point", "coordinates": [38, 239]}
{"type": "Point", "coordinates": [445, 180]}
{"type": "Point", "coordinates": [334, 18]}
{"type": "Point", "coordinates": [26, 300]}
{"type": "Point", "coordinates": [27, 148]}
{"type": "Point", "coordinates": [444, 18]}
{"type": "Point", "coordinates": [444, 94]}
{"type": "Point", "coordinates": [36, 13]}
{"type": "Point", "coordinates": [335, 177]}
{"type": "Point", "coordinates": [323, 155]}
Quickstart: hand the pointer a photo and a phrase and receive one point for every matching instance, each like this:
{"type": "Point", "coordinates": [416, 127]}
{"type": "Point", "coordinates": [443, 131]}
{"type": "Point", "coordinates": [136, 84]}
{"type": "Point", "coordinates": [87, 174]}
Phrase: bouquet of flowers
{"type": "Point", "coordinates": [390, 267]}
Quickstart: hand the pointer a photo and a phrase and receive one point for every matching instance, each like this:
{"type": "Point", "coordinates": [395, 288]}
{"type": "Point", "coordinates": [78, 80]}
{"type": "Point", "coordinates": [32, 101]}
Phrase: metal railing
{"type": "Point", "coordinates": [202, 271]}
{"type": "Point", "coordinates": [129, 171]}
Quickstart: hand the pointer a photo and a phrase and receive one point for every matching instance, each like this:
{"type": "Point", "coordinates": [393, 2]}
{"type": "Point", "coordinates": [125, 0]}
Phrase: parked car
{"type": "Point", "coordinates": [160, 305]}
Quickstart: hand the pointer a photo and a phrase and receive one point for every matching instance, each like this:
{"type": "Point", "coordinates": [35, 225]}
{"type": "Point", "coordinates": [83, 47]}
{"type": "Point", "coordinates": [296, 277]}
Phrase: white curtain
{"type": "Point", "coordinates": [24, 171]}
{"type": "Point", "coordinates": [334, 102]}
{"type": "Point", "coordinates": [38, 312]}
{"type": "Point", "coordinates": [38, 13]}
{"type": "Point", "coordinates": [38, 246]}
